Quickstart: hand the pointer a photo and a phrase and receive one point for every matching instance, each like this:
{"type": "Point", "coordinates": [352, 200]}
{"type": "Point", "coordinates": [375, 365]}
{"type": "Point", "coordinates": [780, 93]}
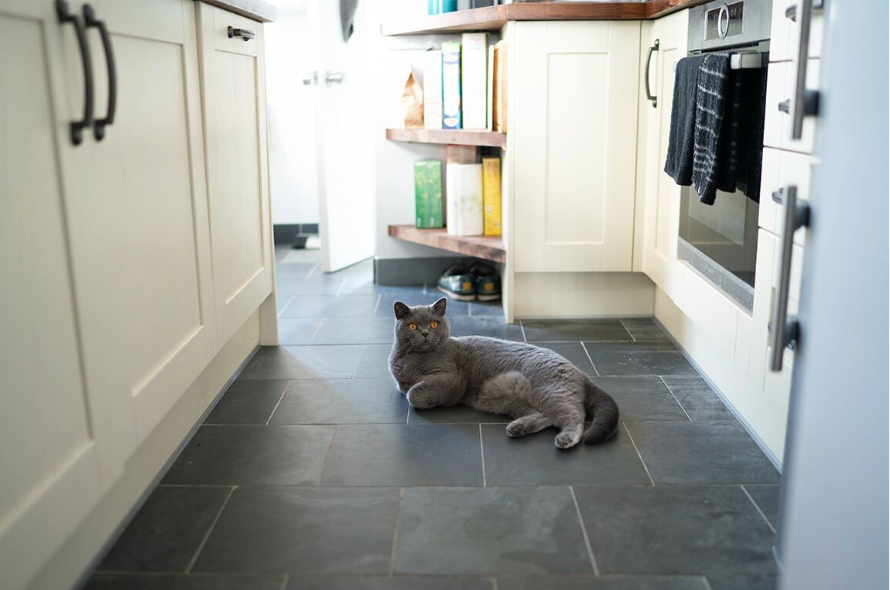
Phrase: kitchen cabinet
{"type": "Point", "coordinates": [50, 457]}
{"type": "Point", "coordinates": [233, 97]}
{"type": "Point", "coordinates": [658, 194]}
{"type": "Point", "coordinates": [116, 301]}
{"type": "Point", "coordinates": [573, 144]}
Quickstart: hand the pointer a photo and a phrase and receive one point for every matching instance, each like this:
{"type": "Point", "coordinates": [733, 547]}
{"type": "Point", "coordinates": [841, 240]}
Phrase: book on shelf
{"type": "Point", "coordinates": [463, 183]}
{"type": "Point", "coordinates": [428, 204]}
{"type": "Point", "coordinates": [432, 89]}
{"type": "Point", "coordinates": [474, 80]}
{"type": "Point", "coordinates": [451, 90]}
{"type": "Point", "coordinates": [489, 91]}
{"type": "Point", "coordinates": [499, 91]}
{"type": "Point", "coordinates": [491, 196]}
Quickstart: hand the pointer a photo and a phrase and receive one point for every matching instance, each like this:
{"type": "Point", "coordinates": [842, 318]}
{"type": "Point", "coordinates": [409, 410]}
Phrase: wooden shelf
{"type": "Point", "coordinates": [493, 18]}
{"type": "Point", "coordinates": [448, 136]}
{"type": "Point", "coordinates": [486, 247]}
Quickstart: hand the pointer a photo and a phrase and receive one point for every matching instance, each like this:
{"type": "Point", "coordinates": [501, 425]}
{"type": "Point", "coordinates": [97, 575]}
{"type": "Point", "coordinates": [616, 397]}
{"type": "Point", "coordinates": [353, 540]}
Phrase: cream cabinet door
{"type": "Point", "coordinates": [574, 132]}
{"type": "Point", "coordinates": [659, 194]}
{"type": "Point", "coordinates": [137, 214]}
{"type": "Point", "coordinates": [234, 99]}
{"type": "Point", "coordinates": [49, 460]}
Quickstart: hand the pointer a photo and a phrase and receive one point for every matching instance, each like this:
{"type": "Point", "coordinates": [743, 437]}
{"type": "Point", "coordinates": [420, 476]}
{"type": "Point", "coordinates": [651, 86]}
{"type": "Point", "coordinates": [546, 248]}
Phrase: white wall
{"type": "Point", "coordinates": [293, 176]}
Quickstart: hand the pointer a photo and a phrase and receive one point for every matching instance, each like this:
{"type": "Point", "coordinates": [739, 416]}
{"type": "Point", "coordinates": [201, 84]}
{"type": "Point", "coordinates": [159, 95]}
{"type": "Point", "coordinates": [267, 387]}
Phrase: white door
{"type": "Point", "coordinates": [342, 120]}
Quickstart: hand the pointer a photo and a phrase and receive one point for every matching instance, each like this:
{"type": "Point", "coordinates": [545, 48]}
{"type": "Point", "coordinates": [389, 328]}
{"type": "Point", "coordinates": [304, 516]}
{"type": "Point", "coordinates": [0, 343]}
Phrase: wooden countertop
{"type": "Point", "coordinates": [259, 10]}
{"type": "Point", "coordinates": [493, 18]}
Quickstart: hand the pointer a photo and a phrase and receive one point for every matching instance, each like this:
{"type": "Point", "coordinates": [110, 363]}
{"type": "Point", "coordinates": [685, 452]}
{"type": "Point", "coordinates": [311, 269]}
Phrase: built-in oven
{"type": "Point", "coordinates": [719, 240]}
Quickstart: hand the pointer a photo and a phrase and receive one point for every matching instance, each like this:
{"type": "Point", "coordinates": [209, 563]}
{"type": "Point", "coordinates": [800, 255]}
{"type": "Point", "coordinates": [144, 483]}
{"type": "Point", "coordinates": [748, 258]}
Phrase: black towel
{"type": "Point", "coordinates": [678, 164]}
{"type": "Point", "coordinates": [750, 116]}
{"type": "Point", "coordinates": [710, 99]}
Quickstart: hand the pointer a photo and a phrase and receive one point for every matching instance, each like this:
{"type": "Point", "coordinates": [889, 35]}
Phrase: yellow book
{"type": "Point", "coordinates": [491, 196]}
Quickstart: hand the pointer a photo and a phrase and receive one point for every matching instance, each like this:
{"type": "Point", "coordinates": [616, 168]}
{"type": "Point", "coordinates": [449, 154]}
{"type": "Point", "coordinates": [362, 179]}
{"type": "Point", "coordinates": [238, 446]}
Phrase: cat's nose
{"type": "Point", "coordinates": [425, 333]}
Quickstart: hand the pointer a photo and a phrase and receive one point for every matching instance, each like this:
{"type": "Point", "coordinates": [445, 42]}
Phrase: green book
{"type": "Point", "coordinates": [428, 194]}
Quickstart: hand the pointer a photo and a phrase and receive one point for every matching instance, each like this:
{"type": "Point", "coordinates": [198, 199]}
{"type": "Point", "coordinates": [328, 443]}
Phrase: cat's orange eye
{"type": "Point", "coordinates": [434, 325]}
{"type": "Point", "coordinates": [413, 326]}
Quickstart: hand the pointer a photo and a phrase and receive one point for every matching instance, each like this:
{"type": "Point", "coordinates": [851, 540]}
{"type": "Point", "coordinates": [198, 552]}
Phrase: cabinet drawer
{"type": "Point", "coordinates": [780, 169]}
{"type": "Point", "coordinates": [222, 20]}
{"type": "Point", "coordinates": [784, 33]}
{"type": "Point", "coordinates": [780, 87]}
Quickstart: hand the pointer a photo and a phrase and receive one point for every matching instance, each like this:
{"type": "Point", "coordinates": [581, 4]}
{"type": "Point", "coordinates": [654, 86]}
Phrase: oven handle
{"type": "Point", "coordinates": [783, 329]}
{"type": "Point", "coordinates": [649, 95]}
{"type": "Point", "coordinates": [804, 102]}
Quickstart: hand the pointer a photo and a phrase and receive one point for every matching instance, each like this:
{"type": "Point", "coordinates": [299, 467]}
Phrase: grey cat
{"type": "Point", "coordinates": [534, 385]}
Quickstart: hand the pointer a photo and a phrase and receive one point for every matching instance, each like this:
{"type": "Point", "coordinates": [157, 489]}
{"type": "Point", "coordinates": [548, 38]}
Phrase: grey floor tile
{"type": "Point", "coordinates": [638, 358]}
{"type": "Point", "coordinates": [327, 306]}
{"type": "Point", "coordinates": [404, 455]}
{"type": "Point", "coordinates": [325, 582]}
{"type": "Point", "coordinates": [493, 326]}
{"type": "Point", "coordinates": [303, 530]}
{"type": "Point", "coordinates": [354, 331]}
{"type": "Point", "coordinates": [701, 452]}
{"type": "Point", "coordinates": [572, 351]}
{"type": "Point", "coordinates": [167, 531]}
{"type": "Point", "coordinates": [184, 582]}
{"type": "Point", "coordinates": [316, 284]}
{"type": "Point", "coordinates": [507, 531]}
{"type": "Point", "coordinates": [481, 308]}
{"type": "Point", "coordinates": [642, 398]}
{"type": "Point", "coordinates": [645, 330]}
{"type": "Point", "coordinates": [342, 401]}
{"type": "Point", "coordinates": [454, 415]}
{"type": "Point", "coordinates": [563, 330]}
{"type": "Point", "coordinates": [535, 460]}
{"type": "Point", "coordinates": [684, 530]}
{"type": "Point", "coordinates": [767, 499]}
{"type": "Point", "coordinates": [698, 399]}
{"type": "Point", "coordinates": [289, 267]}
{"type": "Point", "coordinates": [605, 583]}
{"type": "Point", "coordinates": [303, 362]}
{"type": "Point", "coordinates": [248, 401]}
{"type": "Point", "coordinates": [253, 455]}
{"type": "Point", "coordinates": [453, 308]}
{"type": "Point", "coordinates": [764, 582]}
{"type": "Point", "coordinates": [374, 362]}
{"type": "Point", "coordinates": [297, 331]}
{"type": "Point", "coordinates": [365, 285]}
{"type": "Point", "coordinates": [281, 302]}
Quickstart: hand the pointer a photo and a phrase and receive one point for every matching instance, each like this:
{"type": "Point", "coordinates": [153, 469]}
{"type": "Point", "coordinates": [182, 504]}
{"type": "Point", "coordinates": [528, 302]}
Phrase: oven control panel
{"type": "Point", "coordinates": [724, 21]}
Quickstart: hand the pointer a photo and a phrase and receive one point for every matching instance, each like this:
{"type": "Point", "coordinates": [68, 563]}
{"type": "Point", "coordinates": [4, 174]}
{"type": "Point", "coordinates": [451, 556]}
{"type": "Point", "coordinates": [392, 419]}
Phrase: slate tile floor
{"type": "Point", "coordinates": [313, 473]}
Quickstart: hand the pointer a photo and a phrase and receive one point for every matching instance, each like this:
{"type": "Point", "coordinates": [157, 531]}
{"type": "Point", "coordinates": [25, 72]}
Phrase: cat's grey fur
{"type": "Point", "coordinates": [534, 385]}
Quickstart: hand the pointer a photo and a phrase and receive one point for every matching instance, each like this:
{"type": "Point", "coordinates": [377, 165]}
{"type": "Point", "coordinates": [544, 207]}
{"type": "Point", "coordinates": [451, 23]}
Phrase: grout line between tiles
{"type": "Point", "coordinates": [194, 558]}
{"type": "Point", "coordinates": [395, 534]}
{"type": "Point", "coordinates": [315, 333]}
{"type": "Point", "coordinates": [482, 453]}
{"type": "Point", "coordinates": [286, 305]}
{"type": "Point", "coordinates": [759, 511]}
{"type": "Point", "coordinates": [590, 358]}
{"type": "Point", "coordinates": [649, 475]}
{"type": "Point", "coordinates": [522, 329]}
{"type": "Point", "coordinates": [283, 393]}
{"type": "Point", "coordinates": [623, 325]}
{"type": "Point", "coordinates": [675, 397]}
{"type": "Point", "coordinates": [285, 581]}
{"type": "Point", "coordinates": [707, 583]}
{"type": "Point", "coordinates": [377, 305]}
{"type": "Point", "coordinates": [596, 570]}
{"type": "Point", "coordinates": [494, 584]}
{"type": "Point", "coordinates": [327, 454]}
{"type": "Point", "coordinates": [358, 361]}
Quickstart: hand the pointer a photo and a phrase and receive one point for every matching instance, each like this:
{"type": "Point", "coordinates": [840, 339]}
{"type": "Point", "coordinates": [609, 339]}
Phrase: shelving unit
{"type": "Point", "coordinates": [449, 136]}
{"type": "Point", "coordinates": [486, 247]}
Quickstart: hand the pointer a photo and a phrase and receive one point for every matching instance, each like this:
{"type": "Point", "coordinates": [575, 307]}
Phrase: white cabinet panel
{"type": "Point", "coordinates": [777, 126]}
{"type": "Point", "coordinates": [660, 194]}
{"type": "Point", "coordinates": [138, 220]}
{"type": "Point", "coordinates": [233, 92]}
{"type": "Point", "coordinates": [781, 169]}
{"type": "Point", "coordinates": [575, 136]}
{"type": "Point", "coordinates": [784, 33]}
{"type": "Point", "coordinates": [49, 471]}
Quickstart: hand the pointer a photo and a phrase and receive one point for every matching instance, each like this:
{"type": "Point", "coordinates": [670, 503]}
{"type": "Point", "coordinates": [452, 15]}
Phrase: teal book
{"type": "Point", "coordinates": [428, 194]}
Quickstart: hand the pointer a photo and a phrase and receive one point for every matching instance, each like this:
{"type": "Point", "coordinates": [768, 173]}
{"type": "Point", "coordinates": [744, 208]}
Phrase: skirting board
{"type": "Point", "coordinates": [286, 233]}
{"type": "Point", "coordinates": [555, 295]}
{"type": "Point", "coordinates": [84, 550]}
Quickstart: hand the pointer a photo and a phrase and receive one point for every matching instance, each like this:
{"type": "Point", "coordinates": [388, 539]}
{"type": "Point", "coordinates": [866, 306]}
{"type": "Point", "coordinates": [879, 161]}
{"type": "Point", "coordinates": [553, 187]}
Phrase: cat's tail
{"type": "Point", "coordinates": [604, 412]}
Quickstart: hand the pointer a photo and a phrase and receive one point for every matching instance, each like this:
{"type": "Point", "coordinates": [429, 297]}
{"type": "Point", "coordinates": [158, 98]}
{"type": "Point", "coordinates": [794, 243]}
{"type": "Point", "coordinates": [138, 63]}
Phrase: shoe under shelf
{"type": "Point", "coordinates": [485, 247]}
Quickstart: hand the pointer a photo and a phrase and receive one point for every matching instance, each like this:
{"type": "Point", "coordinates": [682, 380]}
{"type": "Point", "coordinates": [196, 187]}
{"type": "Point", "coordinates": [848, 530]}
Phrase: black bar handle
{"type": "Point", "coordinates": [77, 127]}
{"type": "Point", "coordinates": [649, 96]}
{"type": "Point", "coordinates": [89, 17]}
{"type": "Point", "coordinates": [243, 33]}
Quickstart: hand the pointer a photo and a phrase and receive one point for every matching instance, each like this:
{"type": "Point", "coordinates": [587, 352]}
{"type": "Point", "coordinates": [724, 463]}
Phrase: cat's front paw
{"type": "Point", "coordinates": [516, 428]}
{"type": "Point", "coordinates": [418, 400]}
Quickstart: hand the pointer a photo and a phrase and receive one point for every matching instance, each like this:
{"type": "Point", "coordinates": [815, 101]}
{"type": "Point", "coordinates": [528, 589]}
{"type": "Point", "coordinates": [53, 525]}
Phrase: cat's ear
{"type": "Point", "coordinates": [439, 306]}
{"type": "Point", "coordinates": [401, 310]}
